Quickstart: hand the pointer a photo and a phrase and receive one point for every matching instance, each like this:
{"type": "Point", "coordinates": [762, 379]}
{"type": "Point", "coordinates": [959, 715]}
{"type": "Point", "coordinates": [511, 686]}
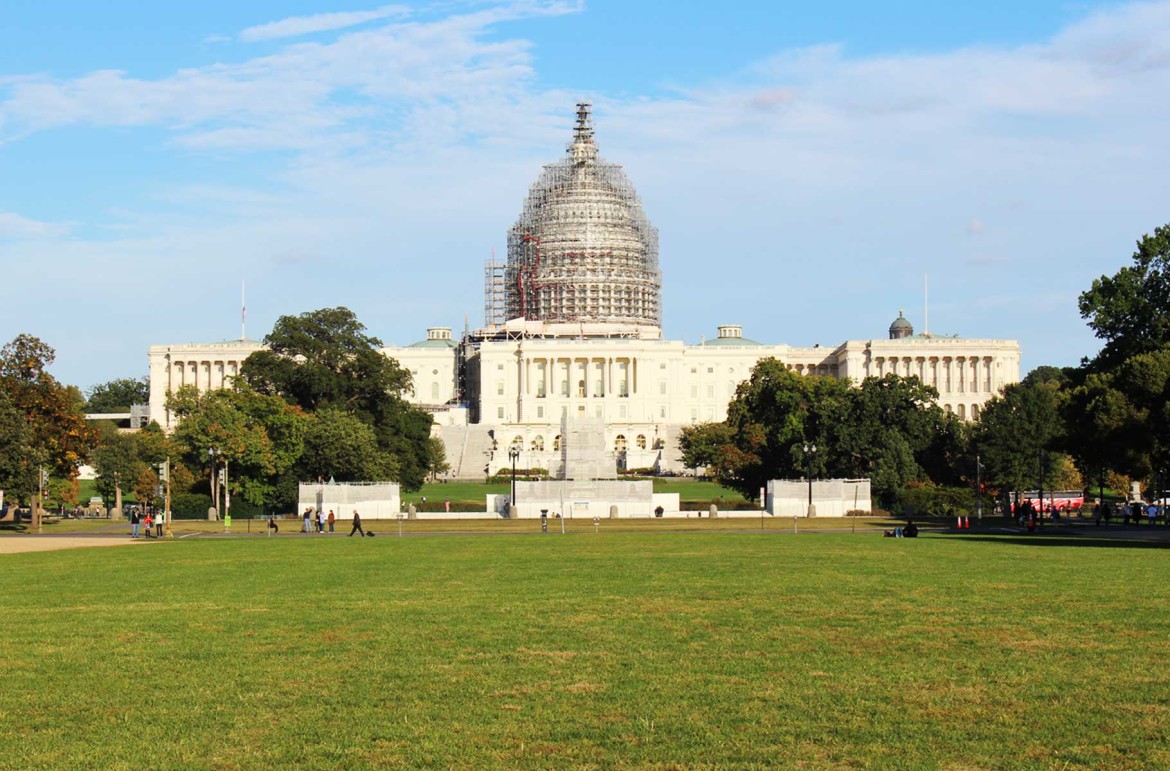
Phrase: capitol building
{"type": "Point", "coordinates": [573, 334]}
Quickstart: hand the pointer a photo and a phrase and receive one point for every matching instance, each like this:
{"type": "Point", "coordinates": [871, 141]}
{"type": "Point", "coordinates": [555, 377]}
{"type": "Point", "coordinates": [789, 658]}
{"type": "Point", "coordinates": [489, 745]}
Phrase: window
{"type": "Point", "coordinates": [434, 392]}
{"type": "Point", "coordinates": [641, 441]}
{"type": "Point", "coordinates": [710, 370]}
{"type": "Point", "coordinates": [619, 444]}
{"type": "Point", "coordinates": [564, 388]}
{"type": "Point", "coordinates": [500, 413]}
{"type": "Point", "coordinates": [622, 411]}
{"type": "Point", "coordinates": [662, 412]}
{"type": "Point", "coordinates": [580, 388]}
{"type": "Point", "coordinates": [538, 443]}
{"type": "Point", "coordinates": [694, 415]}
{"type": "Point", "coordinates": [694, 392]}
{"type": "Point", "coordinates": [518, 441]}
{"type": "Point", "coordinates": [662, 365]}
{"type": "Point", "coordinates": [540, 411]}
{"type": "Point", "coordinates": [710, 392]}
{"type": "Point", "coordinates": [500, 367]}
{"type": "Point", "coordinates": [499, 388]}
{"type": "Point", "coordinates": [694, 370]}
{"type": "Point", "coordinates": [557, 443]}
{"type": "Point", "coordinates": [581, 410]}
{"type": "Point", "coordinates": [662, 387]}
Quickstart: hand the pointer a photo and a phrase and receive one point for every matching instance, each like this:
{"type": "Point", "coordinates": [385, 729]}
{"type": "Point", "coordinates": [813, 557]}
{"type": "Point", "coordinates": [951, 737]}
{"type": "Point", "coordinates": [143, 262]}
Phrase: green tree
{"type": "Point", "coordinates": [117, 395]}
{"type": "Point", "coordinates": [55, 434]}
{"type": "Point", "coordinates": [325, 360]}
{"type": "Point", "coordinates": [340, 447]}
{"type": "Point", "coordinates": [1021, 434]}
{"type": "Point", "coordinates": [706, 445]}
{"type": "Point", "coordinates": [1130, 310]}
{"type": "Point", "coordinates": [772, 415]}
{"type": "Point", "coordinates": [261, 438]}
{"type": "Point", "coordinates": [888, 423]}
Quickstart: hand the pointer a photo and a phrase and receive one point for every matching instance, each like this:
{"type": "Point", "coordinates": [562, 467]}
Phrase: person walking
{"type": "Point", "coordinates": [357, 524]}
{"type": "Point", "coordinates": [134, 523]}
{"type": "Point", "coordinates": [331, 520]}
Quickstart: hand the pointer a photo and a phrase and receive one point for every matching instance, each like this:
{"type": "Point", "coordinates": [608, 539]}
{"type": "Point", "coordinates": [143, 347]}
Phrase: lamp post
{"type": "Point", "coordinates": [978, 489]}
{"type": "Point", "coordinates": [810, 450]}
{"type": "Point", "coordinates": [513, 453]}
{"type": "Point", "coordinates": [212, 454]}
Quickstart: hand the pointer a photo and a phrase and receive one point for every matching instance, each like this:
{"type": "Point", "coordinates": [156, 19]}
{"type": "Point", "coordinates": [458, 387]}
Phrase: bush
{"type": "Point", "coordinates": [933, 501]}
{"type": "Point", "coordinates": [190, 506]}
{"type": "Point", "coordinates": [720, 504]}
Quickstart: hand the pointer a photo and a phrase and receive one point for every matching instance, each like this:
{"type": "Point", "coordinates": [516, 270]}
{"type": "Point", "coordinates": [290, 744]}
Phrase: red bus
{"type": "Point", "coordinates": [1062, 500]}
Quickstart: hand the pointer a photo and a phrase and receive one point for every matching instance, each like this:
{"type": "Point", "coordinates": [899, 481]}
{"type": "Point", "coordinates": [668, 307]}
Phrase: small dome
{"type": "Point", "coordinates": [901, 327]}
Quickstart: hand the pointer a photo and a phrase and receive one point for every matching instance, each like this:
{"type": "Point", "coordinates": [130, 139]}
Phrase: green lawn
{"type": "Point", "coordinates": [642, 649]}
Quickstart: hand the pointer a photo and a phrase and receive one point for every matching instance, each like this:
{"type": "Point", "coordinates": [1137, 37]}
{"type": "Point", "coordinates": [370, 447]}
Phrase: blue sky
{"type": "Point", "coordinates": [806, 163]}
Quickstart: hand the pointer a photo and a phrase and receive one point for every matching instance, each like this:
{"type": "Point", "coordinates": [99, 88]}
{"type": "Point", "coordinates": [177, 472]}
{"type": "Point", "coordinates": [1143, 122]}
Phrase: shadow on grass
{"type": "Point", "coordinates": [1121, 541]}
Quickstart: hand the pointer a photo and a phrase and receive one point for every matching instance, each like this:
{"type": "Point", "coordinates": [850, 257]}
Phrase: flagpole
{"type": "Point", "coordinates": [243, 313]}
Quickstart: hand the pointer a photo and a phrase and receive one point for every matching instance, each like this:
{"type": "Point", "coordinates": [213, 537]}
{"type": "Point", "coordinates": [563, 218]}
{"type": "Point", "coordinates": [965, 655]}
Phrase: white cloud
{"type": "Point", "coordinates": [15, 227]}
{"type": "Point", "coordinates": [322, 22]}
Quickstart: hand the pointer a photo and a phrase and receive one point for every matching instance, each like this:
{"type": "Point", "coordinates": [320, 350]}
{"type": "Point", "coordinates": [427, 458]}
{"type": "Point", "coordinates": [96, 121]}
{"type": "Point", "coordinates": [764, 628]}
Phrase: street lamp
{"type": "Point", "coordinates": [513, 453]}
{"type": "Point", "coordinates": [810, 450]}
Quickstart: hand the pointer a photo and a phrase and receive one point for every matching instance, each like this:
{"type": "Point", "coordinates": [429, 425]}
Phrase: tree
{"type": "Point", "coordinates": [325, 360]}
{"type": "Point", "coordinates": [117, 395]}
{"type": "Point", "coordinates": [55, 433]}
{"type": "Point", "coordinates": [338, 446]}
{"type": "Point", "coordinates": [437, 457]}
{"type": "Point", "coordinates": [1130, 310]}
{"type": "Point", "coordinates": [704, 446]}
{"type": "Point", "coordinates": [259, 436]}
{"type": "Point", "coordinates": [772, 415]}
{"type": "Point", "coordinates": [888, 423]}
{"type": "Point", "coordinates": [1021, 434]}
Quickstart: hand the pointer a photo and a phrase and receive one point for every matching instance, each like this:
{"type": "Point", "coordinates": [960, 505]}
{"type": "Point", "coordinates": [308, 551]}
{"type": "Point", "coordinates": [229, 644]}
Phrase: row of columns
{"type": "Point", "coordinates": [205, 375]}
{"type": "Point", "coordinates": [617, 376]}
{"type": "Point", "coordinates": [949, 374]}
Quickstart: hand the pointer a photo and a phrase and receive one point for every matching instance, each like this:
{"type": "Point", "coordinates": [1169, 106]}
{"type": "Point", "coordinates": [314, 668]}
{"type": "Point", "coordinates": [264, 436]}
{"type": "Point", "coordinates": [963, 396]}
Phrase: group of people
{"type": "Point", "coordinates": [151, 520]}
{"type": "Point", "coordinates": [1129, 512]}
{"type": "Point", "coordinates": [315, 521]}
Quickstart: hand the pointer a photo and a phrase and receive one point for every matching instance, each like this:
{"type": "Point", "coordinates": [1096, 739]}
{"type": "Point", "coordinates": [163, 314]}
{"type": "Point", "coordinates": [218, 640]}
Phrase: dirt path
{"type": "Point", "coordinates": [16, 544]}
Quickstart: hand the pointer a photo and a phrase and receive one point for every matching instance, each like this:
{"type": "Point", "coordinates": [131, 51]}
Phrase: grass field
{"type": "Point", "coordinates": [619, 649]}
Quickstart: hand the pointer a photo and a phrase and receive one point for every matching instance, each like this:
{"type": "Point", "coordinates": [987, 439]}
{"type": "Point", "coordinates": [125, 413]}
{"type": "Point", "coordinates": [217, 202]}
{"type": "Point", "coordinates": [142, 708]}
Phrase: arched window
{"type": "Point", "coordinates": [947, 407]}
{"type": "Point", "coordinates": [620, 444]}
{"type": "Point", "coordinates": [557, 443]}
{"type": "Point", "coordinates": [962, 412]}
{"type": "Point", "coordinates": [974, 412]}
{"type": "Point", "coordinates": [641, 441]}
{"type": "Point", "coordinates": [518, 441]}
{"type": "Point", "coordinates": [538, 443]}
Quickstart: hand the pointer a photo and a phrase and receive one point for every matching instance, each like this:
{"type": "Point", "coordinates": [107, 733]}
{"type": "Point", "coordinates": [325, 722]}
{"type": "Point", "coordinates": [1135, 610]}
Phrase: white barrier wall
{"type": "Point", "coordinates": [372, 500]}
{"type": "Point", "coordinates": [586, 499]}
{"type": "Point", "coordinates": [832, 497]}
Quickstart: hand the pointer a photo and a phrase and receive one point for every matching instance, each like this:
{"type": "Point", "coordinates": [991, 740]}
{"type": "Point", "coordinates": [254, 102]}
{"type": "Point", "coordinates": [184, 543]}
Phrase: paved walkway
{"type": "Point", "coordinates": [16, 544]}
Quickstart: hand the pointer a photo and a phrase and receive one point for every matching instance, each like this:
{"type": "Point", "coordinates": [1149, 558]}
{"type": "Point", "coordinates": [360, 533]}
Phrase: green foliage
{"type": "Point", "coordinates": [341, 447]}
{"type": "Point", "coordinates": [1130, 310]}
{"type": "Point", "coordinates": [54, 433]}
{"type": "Point", "coordinates": [117, 395]}
{"type": "Point", "coordinates": [1021, 434]}
{"type": "Point", "coordinates": [190, 505]}
{"type": "Point", "coordinates": [324, 360]}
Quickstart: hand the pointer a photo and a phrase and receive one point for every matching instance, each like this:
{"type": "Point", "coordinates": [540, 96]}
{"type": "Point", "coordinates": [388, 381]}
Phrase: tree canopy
{"type": "Point", "coordinates": [324, 363]}
{"type": "Point", "coordinates": [117, 395]}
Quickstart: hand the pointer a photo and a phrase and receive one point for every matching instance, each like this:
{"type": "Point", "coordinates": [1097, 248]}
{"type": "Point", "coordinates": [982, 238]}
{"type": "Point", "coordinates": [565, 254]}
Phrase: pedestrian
{"type": "Point", "coordinates": [149, 522]}
{"type": "Point", "coordinates": [158, 523]}
{"type": "Point", "coordinates": [320, 521]}
{"type": "Point", "coordinates": [447, 505]}
{"type": "Point", "coordinates": [227, 522]}
{"type": "Point", "coordinates": [134, 523]}
{"type": "Point", "coordinates": [306, 515]}
{"type": "Point", "coordinates": [275, 528]}
{"type": "Point", "coordinates": [1152, 513]}
{"type": "Point", "coordinates": [357, 524]}
{"type": "Point", "coordinates": [331, 520]}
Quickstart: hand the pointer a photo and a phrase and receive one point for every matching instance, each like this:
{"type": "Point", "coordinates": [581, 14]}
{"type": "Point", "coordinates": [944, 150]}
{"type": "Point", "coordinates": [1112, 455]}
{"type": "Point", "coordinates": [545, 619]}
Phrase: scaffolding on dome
{"type": "Point", "coordinates": [493, 292]}
{"type": "Point", "coordinates": [582, 249]}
